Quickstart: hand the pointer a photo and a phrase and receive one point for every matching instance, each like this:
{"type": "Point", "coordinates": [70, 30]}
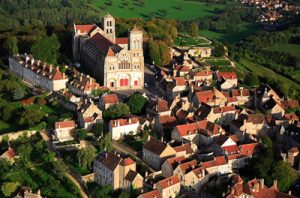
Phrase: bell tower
{"type": "Point", "coordinates": [136, 39]}
{"type": "Point", "coordinates": [108, 23]}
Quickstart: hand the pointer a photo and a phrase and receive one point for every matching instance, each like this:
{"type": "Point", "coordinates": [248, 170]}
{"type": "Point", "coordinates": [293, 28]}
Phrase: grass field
{"type": "Point", "coordinates": [217, 62]}
{"type": "Point", "coordinates": [294, 49]}
{"type": "Point", "coordinates": [266, 73]}
{"type": "Point", "coordinates": [189, 41]}
{"type": "Point", "coordinates": [171, 9]}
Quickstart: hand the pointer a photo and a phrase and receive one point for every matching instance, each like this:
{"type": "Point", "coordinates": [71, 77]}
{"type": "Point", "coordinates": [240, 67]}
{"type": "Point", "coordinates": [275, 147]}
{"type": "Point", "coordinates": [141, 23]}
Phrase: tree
{"type": "Point", "coordinates": [116, 111]}
{"type": "Point", "coordinates": [86, 156]}
{"type": "Point", "coordinates": [30, 117]}
{"type": "Point", "coordinates": [153, 49]}
{"type": "Point", "coordinates": [7, 112]}
{"type": "Point", "coordinates": [8, 188]}
{"type": "Point", "coordinates": [251, 80]}
{"type": "Point", "coordinates": [285, 175]}
{"type": "Point", "coordinates": [80, 134]}
{"type": "Point", "coordinates": [97, 129]}
{"type": "Point", "coordinates": [106, 143]}
{"type": "Point", "coordinates": [99, 92]}
{"type": "Point", "coordinates": [219, 51]}
{"type": "Point", "coordinates": [11, 45]}
{"type": "Point", "coordinates": [19, 93]}
{"type": "Point", "coordinates": [193, 29]}
{"type": "Point", "coordinates": [104, 191]}
{"type": "Point", "coordinates": [137, 103]}
{"type": "Point", "coordinates": [46, 49]}
{"type": "Point", "coordinates": [24, 151]}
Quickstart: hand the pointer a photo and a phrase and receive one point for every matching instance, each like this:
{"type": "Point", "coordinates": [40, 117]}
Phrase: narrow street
{"type": "Point", "coordinates": [126, 150]}
{"type": "Point", "coordinates": [48, 143]}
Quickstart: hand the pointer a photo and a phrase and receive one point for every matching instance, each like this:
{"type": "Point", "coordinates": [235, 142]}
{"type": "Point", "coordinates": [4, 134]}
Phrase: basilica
{"type": "Point", "coordinates": [117, 63]}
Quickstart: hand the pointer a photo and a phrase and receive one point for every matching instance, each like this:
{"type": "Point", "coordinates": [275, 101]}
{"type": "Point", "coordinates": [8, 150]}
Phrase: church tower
{"type": "Point", "coordinates": [136, 40]}
{"type": "Point", "coordinates": [108, 23]}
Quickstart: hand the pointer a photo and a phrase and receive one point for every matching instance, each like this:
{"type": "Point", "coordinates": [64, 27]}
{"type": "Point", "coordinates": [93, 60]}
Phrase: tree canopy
{"type": "Point", "coordinates": [86, 156]}
{"type": "Point", "coordinates": [11, 45]}
{"type": "Point", "coordinates": [46, 49]}
{"type": "Point", "coordinates": [116, 111]}
{"type": "Point", "coordinates": [137, 103]}
{"type": "Point", "coordinates": [193, 29]}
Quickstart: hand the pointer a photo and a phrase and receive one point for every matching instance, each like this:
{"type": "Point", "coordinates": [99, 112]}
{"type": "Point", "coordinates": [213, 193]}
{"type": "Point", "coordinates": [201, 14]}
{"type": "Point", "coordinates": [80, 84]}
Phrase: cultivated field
{"type": "Point", "coordinates": [171, 9]}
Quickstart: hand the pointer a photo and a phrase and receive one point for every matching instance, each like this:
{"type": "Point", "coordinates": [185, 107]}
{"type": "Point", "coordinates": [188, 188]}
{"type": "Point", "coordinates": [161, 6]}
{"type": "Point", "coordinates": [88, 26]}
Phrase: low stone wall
{"type": "Point", "coordinates": [88, 178]}
{"type": "Point", "coordinates": [15, 135]}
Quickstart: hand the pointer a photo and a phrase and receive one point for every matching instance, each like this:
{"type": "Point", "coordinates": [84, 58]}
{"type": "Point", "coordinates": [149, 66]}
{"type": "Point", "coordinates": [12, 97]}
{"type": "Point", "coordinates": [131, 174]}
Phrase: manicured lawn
{"type": "Point", "coordinates": [189, 41]}
{"type": "Point", "coordinates": [172, 9]}
{"type": "Point", "coordinates": [217, 62]}
{"type": "Point", "coordinates": [294, 49]}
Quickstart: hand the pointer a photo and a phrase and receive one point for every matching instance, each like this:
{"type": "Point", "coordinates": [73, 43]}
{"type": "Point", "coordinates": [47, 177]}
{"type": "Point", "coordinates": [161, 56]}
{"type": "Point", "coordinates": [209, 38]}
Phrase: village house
{"type": "Point", "coordinates": [121, 127]}
{"type": "Point", "coordinates": [242, 157]}
{"type": "Point", "coordinates": [176, 87]}
{"type": "Point", "coordinates": [185, 149]}
{"type": "Point", "coordinates": [219, 165]}
{"type": "Point", "coordinates": [156, 152]}
{"type": "Point", "coordinates": [253, 124]}
{"type": "Point", "coordinates": [169, 187]}
{"type": "Point", "coordinates": [110, 168]}
{"type": "Point", "coordinates": [222, 115]}
{"type": "Point", "coordinates": [255, 188]}
{"type": "Point", "coordinates": [159, 107]}
{"type": "Point", "coordinates": [64, 130]}
{"type": "Point", "coordinates": [201, 132]}
{"type": "Point", "coordinates": [183, 168]}
{"type": "Point", "coordinates": [180, 70]}
{"type": "Point", "coordinates": [203, 75]}
{"type": "Point", "coordinates": [37, 73]}
{"type": "Point", "coordinates": [211, 97]}
{"type": "Point", "coordinates": [26, 192]}
{"type": "Point", "coordinates": [154, 193]}
{"type": "Point", "coordinates": [227, 80]}
{"type": "Point", "coordinates": [273, 108]}
{"type": "Point", "coordinates": [263, 93]}
{"type": "Point", "coordinates": [108, 100]}
{"type": "Point", "coordinates": [83, 85]}
{"type": "Point", "coordinates": [170, 165]}
{"type": "Point", "coordinates": [9, 154]}
{"type": "Point", "coordinates": [194, 179]}
{"type": "Point", "coordinates": [240, 96]}
{"type": "Point", "coordinates": [116, 63]}
{"type": "Point", "coordinates": [88, 114]}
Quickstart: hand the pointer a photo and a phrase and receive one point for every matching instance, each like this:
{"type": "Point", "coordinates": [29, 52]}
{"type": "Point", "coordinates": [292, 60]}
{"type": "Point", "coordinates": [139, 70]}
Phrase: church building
{"type": "Point", "coordinates": [117, 63]}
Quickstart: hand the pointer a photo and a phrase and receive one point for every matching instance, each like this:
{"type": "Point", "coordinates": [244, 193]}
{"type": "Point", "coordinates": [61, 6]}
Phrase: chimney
{"type": "Point", "coordinates": [262, 183]}
{"type": "Point", "coordinates": [129, 120]}
{"type": "Point", "coordinates": [203, 172]}
{"type": "Point", "coordinates": [32, 61]}
{"type": "Point", "coordinates": [146, 174]}
{"type": "Point", "coordinates": [149, 137]}
{"type": "Point", "coordinates": [106, 154]}
{"type": "Point", "coordinates": [38, 62]}
{"type": "Point", "coordinates": [256, 187]}
{"type": "Point", "coordinates": [39, 192]}
{"type": "Point", "coordinates": [275, 184]}
{"type": "Point", "coordinates": [162, 139]}
{"type": "Point", "coordinates": [64, 75]}
{"type": "Point", "coordinates": [26, 59]}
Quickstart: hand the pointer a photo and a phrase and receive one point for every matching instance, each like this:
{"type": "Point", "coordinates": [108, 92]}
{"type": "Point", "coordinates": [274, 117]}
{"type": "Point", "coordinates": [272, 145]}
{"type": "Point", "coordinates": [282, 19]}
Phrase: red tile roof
{"type": "Point", "coordinates": [122, 40]}
{"type": "Point", "coordinates": [185, 147]}
{"type": "Point", "coordinates": [168, 121]}
{"type": "Point", "coordinates": [223, 109]}
{"type": "Point", "coordinates": [231, 149]}
{"type": "Point", "coordinates": [291, 116]}
{"type": "Point", "coordinates": [226, 75]}
{"type": "Point", "coordinates": [218, 161]}
{"type": "Point", "coordinates": [187, 165]}
{"type": "Point", "coordinates": [123, 122]}
{"type": "Point", "coordinates": [170, 181]}
{"type": "Point", "coordinates": [180, 81]}
{"type": "Point", "coordinates": [57, 74]}
{"type": "Point", "coordinates": [110, 98]}
{"type": "Point", "coordinates": [162, 105]}
{"type": "Point", "coordinates": [65, 124]}
{"type": "Point", "coordinates": [110, 52]}
{"type": "Point", "coordinates": [248, 149]}
{"type": "Point", "coordinates": [205, 96]}
{"type": "Point", "coordinates": [152, 194]}
{"type": "Point", "coordinates": [85, 28]}
{"type": "Point", "coordinates": [127, 161]}
{"type": "Point", "coordinates": [204, 73]}
{"type": "Point", "coordinates": [289, 104]}
{"type": "Point", "coordinates": [187, 129]}
{"type": "Point", "coordinates": [174, 161]}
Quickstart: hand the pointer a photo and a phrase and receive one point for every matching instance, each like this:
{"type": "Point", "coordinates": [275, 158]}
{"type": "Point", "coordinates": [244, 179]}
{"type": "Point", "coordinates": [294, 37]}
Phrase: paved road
{"type": "Point", "coordinates": [48, 143]}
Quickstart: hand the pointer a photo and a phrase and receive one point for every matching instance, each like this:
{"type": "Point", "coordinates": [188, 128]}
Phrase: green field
{"type": "Point", "coordinates": [294, 49]}
{"type": "Point", "coordinates": [190, 41]}
{"type": "Point", "coordinates": [217, 61]}
{"type": "Point", "coordinates": [171, 9]}
{"type": "Point", "coordinates": [266, 73]}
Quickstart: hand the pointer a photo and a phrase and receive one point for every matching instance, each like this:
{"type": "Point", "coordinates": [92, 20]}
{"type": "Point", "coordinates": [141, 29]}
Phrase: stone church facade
{"type": "Point", "coordinates": [117, 63]}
